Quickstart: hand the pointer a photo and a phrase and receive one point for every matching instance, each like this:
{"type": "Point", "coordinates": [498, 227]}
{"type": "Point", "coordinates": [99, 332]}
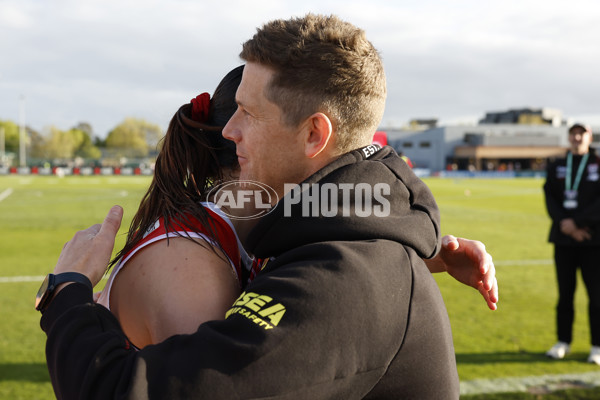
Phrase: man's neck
{"type": "Point", "coordinates": [580, 152]}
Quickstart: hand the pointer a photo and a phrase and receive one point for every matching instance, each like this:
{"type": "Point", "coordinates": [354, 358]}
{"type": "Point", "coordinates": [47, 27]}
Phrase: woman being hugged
{"type": "Point", "coordinates": [182, 263]}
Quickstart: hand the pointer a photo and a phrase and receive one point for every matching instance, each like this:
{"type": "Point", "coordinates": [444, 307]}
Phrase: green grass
{"type": "Point", "coordinates": [36, 220]}
{"type": "Point", "coordinates": [571, 394]}
{"type": "Point", "coordinates": [507, 215]}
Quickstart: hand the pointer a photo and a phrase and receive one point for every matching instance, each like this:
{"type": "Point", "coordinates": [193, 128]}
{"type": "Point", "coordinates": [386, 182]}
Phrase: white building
{"type": "Point", "coordinates": [487, 146]}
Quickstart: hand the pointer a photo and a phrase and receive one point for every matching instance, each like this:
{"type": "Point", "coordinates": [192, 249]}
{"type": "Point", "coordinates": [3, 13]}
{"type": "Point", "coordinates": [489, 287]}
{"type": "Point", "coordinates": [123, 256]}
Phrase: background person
{"type": "Point", "coordinates": [572, 191]}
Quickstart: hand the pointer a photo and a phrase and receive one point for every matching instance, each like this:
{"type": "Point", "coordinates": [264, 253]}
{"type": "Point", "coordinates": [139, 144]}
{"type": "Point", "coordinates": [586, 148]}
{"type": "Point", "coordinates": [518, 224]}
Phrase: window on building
{"type": "Point", "coordinates": [425, 144]}
{"type": "Point", "coordinates": [407, 144]}
{"type": "Point", "coordinates": [473, 138]}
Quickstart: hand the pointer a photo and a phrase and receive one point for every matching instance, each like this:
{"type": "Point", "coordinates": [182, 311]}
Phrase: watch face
{"type": "Point", "coordinates": [40, 294]}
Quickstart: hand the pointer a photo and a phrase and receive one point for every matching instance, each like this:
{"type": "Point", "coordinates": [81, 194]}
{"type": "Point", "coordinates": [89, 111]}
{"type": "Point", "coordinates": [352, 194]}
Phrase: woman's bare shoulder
{"type": "Point", "coordinates": [171, 287]}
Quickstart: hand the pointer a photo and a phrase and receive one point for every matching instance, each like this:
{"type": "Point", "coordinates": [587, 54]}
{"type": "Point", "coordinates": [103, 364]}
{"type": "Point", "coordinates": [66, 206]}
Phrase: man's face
{"type": "Point", "coordinates": [268, 150]}
{"type": "Point", "coordinates": [580, 140]}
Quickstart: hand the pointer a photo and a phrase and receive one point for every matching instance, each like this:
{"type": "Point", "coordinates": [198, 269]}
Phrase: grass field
{"type": "Point", "coordinates": [39, 214]}
{"type": "Point", "coordinates": [509, 216]}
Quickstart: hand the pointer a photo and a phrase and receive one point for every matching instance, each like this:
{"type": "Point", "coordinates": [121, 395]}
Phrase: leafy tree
{"type": "Point", "coordinates": [84, 147]}
{"type": "Point", "coordinates": [60, 144]}
{"type": "Point", "coordinates": [99, 142]}
{"type": "Point", "coordinates": [89, 147]}
{"type": "Point", "coordinates": [64, 145]}
{"type": "Point", "coordinates": [133, 138]}
{"type": "Point", "coordinates": [85, 127]}
{"type": "Point", "coordinates": [38, 145]}
{"type": "Point", "coordinates": [11, 136]}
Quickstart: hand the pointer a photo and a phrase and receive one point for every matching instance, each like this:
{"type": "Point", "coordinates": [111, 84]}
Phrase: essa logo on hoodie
{"type": "Point", "coordinates": [260, 309]}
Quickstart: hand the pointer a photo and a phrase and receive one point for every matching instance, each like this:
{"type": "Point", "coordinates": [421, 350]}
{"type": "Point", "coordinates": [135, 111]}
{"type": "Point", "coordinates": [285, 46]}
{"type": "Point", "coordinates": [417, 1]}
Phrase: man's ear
{"type": "Point", "coordinates": [320, 131]}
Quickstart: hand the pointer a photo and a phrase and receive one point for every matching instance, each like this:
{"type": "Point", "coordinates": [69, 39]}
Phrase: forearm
{"type": "Point", "coordinates": [84, 343]}
{"type": "Point", "coordinates": [553, 197]}
{"type": "Point", "coordinates": [435, 264]}
{"type": "Point", "coordinates": [554, 208]}
{"type": "Point", "coordinates": [248, 354]}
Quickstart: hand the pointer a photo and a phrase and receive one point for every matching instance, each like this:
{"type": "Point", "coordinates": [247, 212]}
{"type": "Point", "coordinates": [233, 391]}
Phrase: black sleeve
{"type": "Point", "coordinates": [306, 327]}
{"type": "Point", "coordinates": [589, 214]}
{"type": "Point", "coordinates": [553, 191]}
{"type": "Point", "coordinates": [84, 343]}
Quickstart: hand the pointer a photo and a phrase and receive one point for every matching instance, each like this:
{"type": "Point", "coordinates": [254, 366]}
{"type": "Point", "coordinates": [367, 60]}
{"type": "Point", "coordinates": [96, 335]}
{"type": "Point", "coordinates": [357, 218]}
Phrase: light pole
{"type": "Point", "coordinates": [2, 146]}
{"type": "Point", "coordinates": [22, 135]}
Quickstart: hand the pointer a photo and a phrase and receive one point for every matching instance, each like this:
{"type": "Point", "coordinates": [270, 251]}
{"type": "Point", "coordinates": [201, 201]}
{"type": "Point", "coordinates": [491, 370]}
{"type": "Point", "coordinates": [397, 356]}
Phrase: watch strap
{"type": "Point", "coordinates": [47, 289]}
{"type": "Point", "coordinates": [72, 277]}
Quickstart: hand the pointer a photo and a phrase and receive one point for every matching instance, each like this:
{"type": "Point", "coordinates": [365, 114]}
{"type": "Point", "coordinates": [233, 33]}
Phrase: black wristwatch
{"type": "Point", "coordinates": [52, 281]}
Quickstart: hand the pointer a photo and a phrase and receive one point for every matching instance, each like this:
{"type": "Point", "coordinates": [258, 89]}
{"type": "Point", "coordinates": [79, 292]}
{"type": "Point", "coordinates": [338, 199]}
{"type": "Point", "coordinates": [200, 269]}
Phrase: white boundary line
{"type": "Point", "coordinates": [524, 383]}
{"type": "Point", "coordinates": [510, 263]}
{"type": "Point", "coordinates": [6, 193]}
{"type": "Point", "coordinates": [18, 279]}
{"type": "Point", "coordinates": [476, 386]}
{"type": "Point", "coordinates": [21, 279]}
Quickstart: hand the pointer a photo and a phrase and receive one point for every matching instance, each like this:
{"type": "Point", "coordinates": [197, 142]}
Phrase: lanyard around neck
{"type": "Point", "coordinates": [579, 171]}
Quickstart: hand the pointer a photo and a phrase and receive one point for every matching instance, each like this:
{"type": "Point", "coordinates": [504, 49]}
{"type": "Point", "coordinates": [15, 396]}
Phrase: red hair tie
{"type": "Point", "coordinates": [200, 107]}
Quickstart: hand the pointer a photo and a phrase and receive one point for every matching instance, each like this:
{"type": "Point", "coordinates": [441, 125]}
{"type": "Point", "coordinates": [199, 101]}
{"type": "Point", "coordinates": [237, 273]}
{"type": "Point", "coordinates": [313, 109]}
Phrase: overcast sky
{"type": "Point", "coordinates": [100, 61]}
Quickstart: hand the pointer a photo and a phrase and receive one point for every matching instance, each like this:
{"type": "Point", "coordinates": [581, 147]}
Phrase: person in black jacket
{"type": "Point", "coordinates": [572, 192]}
{"type": "Point", "coordinates": [344, 306]}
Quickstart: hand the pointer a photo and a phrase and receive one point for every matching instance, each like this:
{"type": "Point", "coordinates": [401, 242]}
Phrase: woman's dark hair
{"type": "Point", "coordinates": [191, 159]}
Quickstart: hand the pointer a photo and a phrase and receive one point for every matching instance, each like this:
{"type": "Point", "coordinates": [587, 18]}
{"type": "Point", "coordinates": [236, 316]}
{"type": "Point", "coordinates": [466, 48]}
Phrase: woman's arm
{"type": "Point", "coordinates": [171, 287]}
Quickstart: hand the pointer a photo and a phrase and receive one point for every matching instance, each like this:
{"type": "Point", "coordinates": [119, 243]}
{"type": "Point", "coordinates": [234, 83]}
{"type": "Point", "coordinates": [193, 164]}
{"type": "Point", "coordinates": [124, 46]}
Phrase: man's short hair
{"type": "Point", "coordinates": [322, 64]}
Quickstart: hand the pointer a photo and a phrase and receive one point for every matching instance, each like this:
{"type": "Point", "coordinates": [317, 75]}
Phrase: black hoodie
{"type": "Point", "coordinates": [344, 308]}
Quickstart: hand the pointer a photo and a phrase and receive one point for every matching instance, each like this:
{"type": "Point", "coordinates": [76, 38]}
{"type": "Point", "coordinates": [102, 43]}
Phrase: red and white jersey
{"type": "Point", "coordinates": [227, 241]}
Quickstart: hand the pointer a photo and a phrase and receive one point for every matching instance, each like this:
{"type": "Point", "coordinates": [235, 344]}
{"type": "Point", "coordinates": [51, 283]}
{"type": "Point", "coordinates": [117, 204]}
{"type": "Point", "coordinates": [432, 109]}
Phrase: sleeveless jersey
{"type": "Point", "coordinates": [227, 241]}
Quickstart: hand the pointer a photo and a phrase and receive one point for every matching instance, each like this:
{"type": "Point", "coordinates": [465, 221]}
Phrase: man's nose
{"type": "Point", "coordinates": [230, 131]}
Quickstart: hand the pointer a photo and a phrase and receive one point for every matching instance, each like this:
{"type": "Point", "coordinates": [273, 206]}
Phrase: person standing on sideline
{"type": "Point", "coordinates": [572, 191]}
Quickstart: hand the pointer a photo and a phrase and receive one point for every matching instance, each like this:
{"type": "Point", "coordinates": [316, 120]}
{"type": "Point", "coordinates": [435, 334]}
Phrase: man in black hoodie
{"type": "Point", "coordinates": [344, 306]}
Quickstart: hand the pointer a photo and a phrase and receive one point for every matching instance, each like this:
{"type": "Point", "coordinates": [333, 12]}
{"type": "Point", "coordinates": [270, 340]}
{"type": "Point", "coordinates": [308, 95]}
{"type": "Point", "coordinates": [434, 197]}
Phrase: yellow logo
{"type": "Point", "coordinates": [260, 309]}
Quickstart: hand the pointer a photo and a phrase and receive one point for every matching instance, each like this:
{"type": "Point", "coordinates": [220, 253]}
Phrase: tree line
{"type": "Point", "coordinates": [132, 138]}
